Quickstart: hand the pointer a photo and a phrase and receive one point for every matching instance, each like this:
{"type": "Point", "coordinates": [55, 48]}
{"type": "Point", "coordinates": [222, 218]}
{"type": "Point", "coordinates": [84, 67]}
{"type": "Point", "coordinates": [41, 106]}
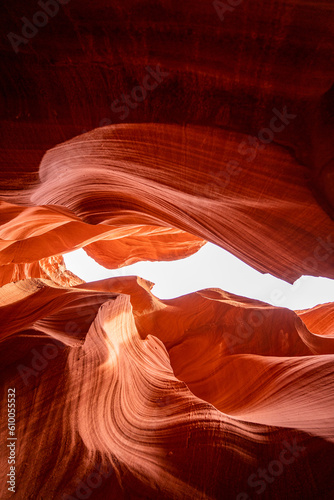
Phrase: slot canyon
{"type": "Point", "coordinates": [140, 130]}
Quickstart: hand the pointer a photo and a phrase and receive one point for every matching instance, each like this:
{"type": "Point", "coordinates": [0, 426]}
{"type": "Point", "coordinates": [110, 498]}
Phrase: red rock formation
{"type": "Point", "coordinates": [119, 394]}
{"type": "Point", "coordinates": [186, 398]}
{"type": "Point", "coordinates": [136, 170]}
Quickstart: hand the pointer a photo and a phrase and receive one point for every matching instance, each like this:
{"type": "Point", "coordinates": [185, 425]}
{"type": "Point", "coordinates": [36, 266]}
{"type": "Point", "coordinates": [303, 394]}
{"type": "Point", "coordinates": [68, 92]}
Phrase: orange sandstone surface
{"type": "Point", "coordinates": [141, 130]}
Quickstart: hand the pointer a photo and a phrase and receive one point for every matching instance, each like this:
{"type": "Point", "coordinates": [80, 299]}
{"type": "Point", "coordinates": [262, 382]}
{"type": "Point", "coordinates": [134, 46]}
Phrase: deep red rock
{"type": "Point", "coordinates": [230, 139]}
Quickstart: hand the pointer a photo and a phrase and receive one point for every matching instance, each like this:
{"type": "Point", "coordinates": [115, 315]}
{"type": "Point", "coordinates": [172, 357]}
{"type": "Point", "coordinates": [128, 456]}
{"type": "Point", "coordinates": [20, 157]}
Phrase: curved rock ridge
{"type": "Point", "coordinates": [319, 319]}
{"type": "Point", "coordinates": [154, 191]}
{"type": "Point", "coordinates": [226, 67]}
{"type": "Point", "coordinates": [214, 338]}
{"type": "Point", "coordinates": [215, 123]}
{"type": "Point", "coordinates": [163, 398]}
{"type": "Point", "coordinates": [31, 234]}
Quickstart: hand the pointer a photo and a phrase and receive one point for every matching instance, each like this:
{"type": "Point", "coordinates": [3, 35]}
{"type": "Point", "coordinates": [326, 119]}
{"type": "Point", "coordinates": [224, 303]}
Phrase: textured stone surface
{"type": "Point", "coordinates": [184, 398]}
{"type": "Point", "coordinates": [120, 395]}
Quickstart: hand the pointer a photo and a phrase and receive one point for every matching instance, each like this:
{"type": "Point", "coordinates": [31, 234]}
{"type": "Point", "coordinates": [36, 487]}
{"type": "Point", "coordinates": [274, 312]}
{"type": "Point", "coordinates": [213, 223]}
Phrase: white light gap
{"type": "Point", "coordinates": [211, 267]}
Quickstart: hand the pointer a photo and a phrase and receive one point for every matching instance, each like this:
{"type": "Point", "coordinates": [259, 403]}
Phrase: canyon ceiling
{"type": "Point", "coordinates": [140, 130]}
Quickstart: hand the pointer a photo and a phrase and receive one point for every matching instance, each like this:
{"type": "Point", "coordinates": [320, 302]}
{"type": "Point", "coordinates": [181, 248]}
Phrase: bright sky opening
{"type": "Point", "coordinates": [211, 267]}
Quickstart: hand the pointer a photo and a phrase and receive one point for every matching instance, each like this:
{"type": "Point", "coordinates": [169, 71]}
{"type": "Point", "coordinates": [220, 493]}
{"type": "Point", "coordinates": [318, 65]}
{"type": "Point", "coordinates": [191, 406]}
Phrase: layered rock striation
{"type": "Point", "coordinates": [140, 131]}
